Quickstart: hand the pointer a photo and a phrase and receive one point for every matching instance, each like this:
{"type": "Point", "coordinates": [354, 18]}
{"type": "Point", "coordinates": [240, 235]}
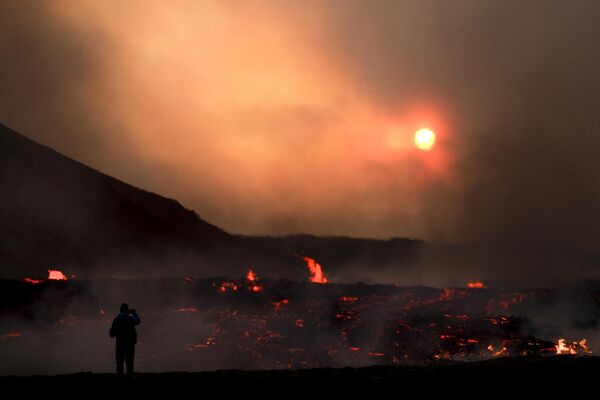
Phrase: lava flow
{"type": "Point", "coordinates": [577, 347]}
{"type": "Point", "coordinates": [316, 271]}
{"type": "Point", "coordinates": [56, 275]}
{"type": "Point", "coordinates": [53, 275]}
{"type": "Point", "coordinates": [33, 281]}
{"type": "Point", "coordinates": [288, 324]}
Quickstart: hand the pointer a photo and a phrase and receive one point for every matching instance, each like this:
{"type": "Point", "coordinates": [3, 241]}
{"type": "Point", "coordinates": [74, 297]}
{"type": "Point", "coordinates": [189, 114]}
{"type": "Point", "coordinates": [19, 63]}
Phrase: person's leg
{"type": "Point", "coordinates": [129, 358]}
{"type": "Point", "coordinates": [120, 357]}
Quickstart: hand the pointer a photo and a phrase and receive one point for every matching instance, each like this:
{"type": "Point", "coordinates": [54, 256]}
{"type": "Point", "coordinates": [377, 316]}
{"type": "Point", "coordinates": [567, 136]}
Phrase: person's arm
{"type": "Point", "coordinates": [136, 319]}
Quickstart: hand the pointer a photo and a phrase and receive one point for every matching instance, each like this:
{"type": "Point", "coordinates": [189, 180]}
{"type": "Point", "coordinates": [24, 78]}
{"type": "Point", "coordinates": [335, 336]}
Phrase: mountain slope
{"type": "Point", "coordinates": [56, 212]}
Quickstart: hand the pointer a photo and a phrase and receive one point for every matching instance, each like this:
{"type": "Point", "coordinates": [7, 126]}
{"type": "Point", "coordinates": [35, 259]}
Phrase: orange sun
{"type": "Point", "coordinates": [424, 139]}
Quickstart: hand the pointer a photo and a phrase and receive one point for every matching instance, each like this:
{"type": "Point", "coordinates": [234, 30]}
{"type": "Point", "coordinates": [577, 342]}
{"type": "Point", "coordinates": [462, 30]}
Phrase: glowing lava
{"type": "Point", "coordinates": [424, 139]}
{"type": "Point", "coordinates": [316, 272]}
{"type": "Point", "coordinates": [11, 335]}
{"type": "Point", "coordinates": [476, 285]}
{"type": "Point", "coordinates": [278, 304]}
{"type": "Point", "coordinates": [225, 286]}
{"type": "Point", "coordinates": [251, 276]}
{"type": "Point", "coordinates": [56, 275]}
{"type": "Point", "coordinates": [187, 310]}
{"type": "Point", "coordinates": [577, 347]}
{"type": "Point", "coordinates": [497, 353]}
{"type": "Point", "coordinates": [251, 280]}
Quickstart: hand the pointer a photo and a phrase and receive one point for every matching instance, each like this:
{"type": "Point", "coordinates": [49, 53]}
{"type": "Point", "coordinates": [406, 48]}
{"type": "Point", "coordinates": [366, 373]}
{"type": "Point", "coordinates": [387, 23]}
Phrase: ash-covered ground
{"type": "Point", "coordinates": [54, 327]}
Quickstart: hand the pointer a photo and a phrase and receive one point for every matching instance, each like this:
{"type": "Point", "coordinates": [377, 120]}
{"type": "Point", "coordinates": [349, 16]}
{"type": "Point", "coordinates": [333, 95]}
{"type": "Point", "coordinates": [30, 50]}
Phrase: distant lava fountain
{"type": "Point", "coordinates": [250, 276]}
{"type": "Point", "coordinates": [316, 272]}
{"type": "Point", "coordinates": [56, 275]}
{"type": "Point", "coordinates": [476, 285]}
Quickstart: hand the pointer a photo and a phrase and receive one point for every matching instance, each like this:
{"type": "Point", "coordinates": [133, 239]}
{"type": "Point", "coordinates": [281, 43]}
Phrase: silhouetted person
{"type": "Point", "coordinates": [123, 328]}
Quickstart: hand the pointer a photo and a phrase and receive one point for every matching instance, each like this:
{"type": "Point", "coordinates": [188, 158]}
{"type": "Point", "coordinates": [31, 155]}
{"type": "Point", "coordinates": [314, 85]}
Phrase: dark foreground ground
{"type": "Point", "coordinates": [504, 377]}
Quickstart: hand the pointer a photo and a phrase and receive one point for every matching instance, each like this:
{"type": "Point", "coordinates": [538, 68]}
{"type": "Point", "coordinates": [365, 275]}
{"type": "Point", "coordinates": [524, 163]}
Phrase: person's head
{"type": "Point", "coordinates": [124, 307]}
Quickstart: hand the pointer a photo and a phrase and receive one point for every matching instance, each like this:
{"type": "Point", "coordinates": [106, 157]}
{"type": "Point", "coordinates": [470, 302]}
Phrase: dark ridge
{"type": "Point", "coordinates": [498, 378]}
{"type": "Point", "coordinates": [57, 212]}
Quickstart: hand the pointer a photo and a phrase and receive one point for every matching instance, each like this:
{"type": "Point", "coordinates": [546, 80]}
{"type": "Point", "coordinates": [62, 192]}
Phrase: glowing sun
{"type": "Point", "coordinates": [424, 139]}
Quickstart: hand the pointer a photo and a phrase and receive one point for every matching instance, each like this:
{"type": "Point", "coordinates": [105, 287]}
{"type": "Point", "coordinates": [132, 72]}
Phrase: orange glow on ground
{"type": "Point", "coordinates": [12, 335]}
{"type": "Point", "coordinates": [424, 139]}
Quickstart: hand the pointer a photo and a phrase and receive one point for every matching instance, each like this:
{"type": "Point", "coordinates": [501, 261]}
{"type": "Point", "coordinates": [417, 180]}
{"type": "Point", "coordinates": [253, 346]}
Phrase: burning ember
{"type": "Point", "coordinates": [187, 310]}
{"type": "Point", "coordinates": [225, 286]}
{"type": "Point", "coordinates": [56, 275]}
{"type": "Point", "coordinates": [278, 304]}
{"type": "Point", "coordinates": [476, 285]}
{"type": "Point", "coordinates": [199, 346]}
{"type": "Point", "coordinates": [316, 272]}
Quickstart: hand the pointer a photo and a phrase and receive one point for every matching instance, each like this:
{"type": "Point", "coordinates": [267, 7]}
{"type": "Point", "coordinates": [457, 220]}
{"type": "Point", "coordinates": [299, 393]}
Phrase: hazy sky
{"type": "Point", "coordinates": [276, 117]}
